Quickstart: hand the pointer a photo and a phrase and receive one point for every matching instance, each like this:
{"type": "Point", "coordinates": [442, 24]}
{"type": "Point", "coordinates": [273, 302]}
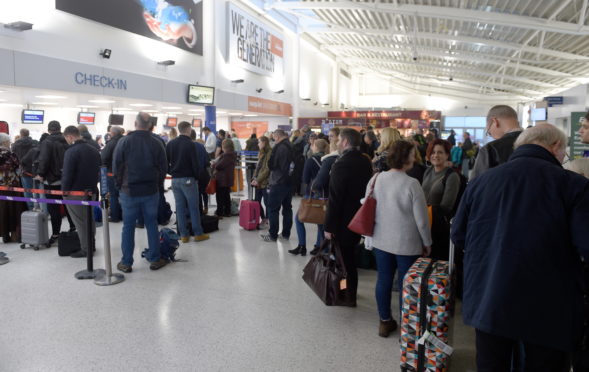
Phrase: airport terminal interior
{"type": "Point", "coordinates": [423, 70]}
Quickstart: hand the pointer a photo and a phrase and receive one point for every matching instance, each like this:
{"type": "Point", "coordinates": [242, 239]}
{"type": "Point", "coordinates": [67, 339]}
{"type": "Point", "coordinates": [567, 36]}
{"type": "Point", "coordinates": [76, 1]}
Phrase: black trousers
{"type": "Point", "coordinates": [55, 211]}
{"type": "Point", "coordinates": [347, 247]}
{"type": "Point", "coordinates": [494, 354]}
{"type": "Point", "coordinates": [223, 201]}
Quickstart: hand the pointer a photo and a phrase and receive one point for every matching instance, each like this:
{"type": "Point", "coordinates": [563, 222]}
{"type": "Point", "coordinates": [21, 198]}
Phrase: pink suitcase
{"type": "Point", "coordinates": [249, 214]}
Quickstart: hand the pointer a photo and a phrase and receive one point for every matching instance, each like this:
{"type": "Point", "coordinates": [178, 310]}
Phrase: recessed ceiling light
{"type": "Point", "coordinates": [250, 115]}
{"type": "Point", "coordinates": [87, 106]}
{"type": "Point", "coordinates": [140, 105]}
{"type": "Point", "coordinates": [235, 114]}
{"type": "Point", "coordinates": [150, 111]}
{"type": "Point", "coordinates": [48, 96]}
{"type": "Point", "coordinates": [171, 108]}
{"type": "Point", "coordinates": [11, 104]}
{"type": "Point", "coordinates": [221, 112]}
{"type": "Point", "coordinates": [197, 110]}
{"type": "Point", "coordinates": [122, 109]}
{"type": "Point", "coordinates": [101, 101]}
{"type": "Point", "coordinates": [175, 113]}
{"type": "Point", "coordinates": [44, 103]}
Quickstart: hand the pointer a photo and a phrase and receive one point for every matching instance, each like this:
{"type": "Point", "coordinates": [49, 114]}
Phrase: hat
{"type": "Point", "coordinates": [54, 126]}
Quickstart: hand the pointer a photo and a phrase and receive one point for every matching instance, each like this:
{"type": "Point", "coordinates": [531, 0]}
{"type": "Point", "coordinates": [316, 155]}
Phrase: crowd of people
{"type": "Point", "coordinates": [518, 226]}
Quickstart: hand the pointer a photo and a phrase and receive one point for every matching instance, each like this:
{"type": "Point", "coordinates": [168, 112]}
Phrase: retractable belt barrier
{"type": "Point", "coordinates": [50, 201]}
{"type": "Point", "coordinates": [43, 191]}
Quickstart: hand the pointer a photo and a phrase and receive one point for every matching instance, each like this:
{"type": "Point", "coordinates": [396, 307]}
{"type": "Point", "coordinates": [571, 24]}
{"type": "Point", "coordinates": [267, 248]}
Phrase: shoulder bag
{"type": "Point", "coordinates": [364, 219]}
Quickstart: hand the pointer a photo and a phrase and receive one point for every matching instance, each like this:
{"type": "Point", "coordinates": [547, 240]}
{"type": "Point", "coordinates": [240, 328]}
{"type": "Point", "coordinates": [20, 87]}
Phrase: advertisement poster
{"type": "Point", "coordinates": [245, 129]}
{"type": "Point", "coordinates": [176, 22]}
{"type": "Point", "coordinates": [578, 148]}
{"type": "Point", "coordinates": [253, 45]}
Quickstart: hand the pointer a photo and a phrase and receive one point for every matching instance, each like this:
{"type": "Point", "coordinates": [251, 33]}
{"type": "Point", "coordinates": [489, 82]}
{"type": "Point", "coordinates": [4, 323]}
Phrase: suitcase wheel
{"type": "Point", "coordinates": [23, 246]}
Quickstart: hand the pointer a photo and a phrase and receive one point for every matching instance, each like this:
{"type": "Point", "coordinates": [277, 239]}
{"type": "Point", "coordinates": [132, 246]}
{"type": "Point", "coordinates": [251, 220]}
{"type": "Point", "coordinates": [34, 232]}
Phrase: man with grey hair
{"type": "Point", "coordinates": [503, 126]}
{"type": "Point", "coordinates": [139, 166]}
{"type": "Point", "coordinates": [280, 189]}
{"type": "Point", "coordinates": [523, 228]}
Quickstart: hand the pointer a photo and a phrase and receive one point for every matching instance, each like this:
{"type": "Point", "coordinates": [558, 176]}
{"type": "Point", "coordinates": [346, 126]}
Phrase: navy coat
{"type": "Point", "coordinates": [523, 226]}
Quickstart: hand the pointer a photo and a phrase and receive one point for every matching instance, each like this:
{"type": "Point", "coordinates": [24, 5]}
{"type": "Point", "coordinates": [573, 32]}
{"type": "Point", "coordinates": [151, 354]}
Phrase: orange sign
{"type": "Point", "coordinates": [267, 106]}
{"type": "Point", "coordinates": [276, 46]}
{"type": "Point", "coordinates": [244, 129]}
{"type": "Point", "coordinates": [196, 123]}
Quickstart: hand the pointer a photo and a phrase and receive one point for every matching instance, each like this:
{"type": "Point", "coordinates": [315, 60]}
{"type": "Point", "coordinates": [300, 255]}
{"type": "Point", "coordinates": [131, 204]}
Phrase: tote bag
{"type": "Point", "coordinates": [363, 221]}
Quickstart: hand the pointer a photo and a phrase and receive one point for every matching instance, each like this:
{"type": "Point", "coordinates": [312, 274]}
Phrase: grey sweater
{"type": "Point", "coordinates": [436, 194]}
{"type": "Point", "coordinates": [402, 223]}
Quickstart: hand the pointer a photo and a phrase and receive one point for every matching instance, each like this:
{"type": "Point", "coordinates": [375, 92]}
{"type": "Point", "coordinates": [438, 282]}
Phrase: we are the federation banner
{"type": "Point", "coordinates": [176, 22]}
{"type": "Point", "coordinates": [254, 45]}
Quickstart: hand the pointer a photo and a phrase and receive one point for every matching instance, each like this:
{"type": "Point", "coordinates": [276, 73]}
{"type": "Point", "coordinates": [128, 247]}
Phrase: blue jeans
{"type": "Point", "coordinates": [280, 196]}
{"type": "Point", "coordinates": [387, 263]}
{"type": "Point", "coordinates": [186, 192]}
{"type": "Point", "coordinates": [302, 233]}
{"type": "Point", "coordinates": [135, 206]}
{"type": "Point", "coordinates": [115, 206]}
{"type": "Point", "coordinates": [27, 183]}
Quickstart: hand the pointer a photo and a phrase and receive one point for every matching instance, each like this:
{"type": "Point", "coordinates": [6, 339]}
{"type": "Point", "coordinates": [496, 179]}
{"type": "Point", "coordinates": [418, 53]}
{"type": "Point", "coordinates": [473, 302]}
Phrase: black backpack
{"type": "Point", "coordinates": [463, 183]}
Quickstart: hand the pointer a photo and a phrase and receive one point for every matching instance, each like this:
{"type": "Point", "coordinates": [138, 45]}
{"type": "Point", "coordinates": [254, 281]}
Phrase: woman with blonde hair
{"type": "Point", "coordinates": [388, 136]}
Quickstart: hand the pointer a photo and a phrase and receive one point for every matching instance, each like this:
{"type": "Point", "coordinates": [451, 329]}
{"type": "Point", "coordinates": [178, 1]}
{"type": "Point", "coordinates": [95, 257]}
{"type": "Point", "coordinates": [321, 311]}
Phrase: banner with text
{"type": "Point", "coordinates": [266, 106]}
{"type": "Point", "coordinates": [245, 129]}
{"type": "Point", "coordinates": [253, 45]}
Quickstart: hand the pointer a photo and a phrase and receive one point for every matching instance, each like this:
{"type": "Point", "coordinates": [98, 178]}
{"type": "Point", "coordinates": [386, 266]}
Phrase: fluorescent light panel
{"type": "Point", "coordinates": [140, 105]}
{"type": "Point", "coordinates": [101, 101]}
{"type": "Point", "coordinates": [48, 96]}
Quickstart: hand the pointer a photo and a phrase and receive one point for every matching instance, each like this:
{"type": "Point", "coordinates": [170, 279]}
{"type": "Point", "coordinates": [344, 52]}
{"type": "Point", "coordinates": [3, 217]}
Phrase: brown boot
{"type": "Point", "coordinates": [387, 327]}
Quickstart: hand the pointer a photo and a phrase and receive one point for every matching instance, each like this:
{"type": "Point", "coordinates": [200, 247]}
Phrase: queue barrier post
{"type": "Point", "coordinates": [109, 278]}
{"type": "Point", "coordinates": [90, 273]}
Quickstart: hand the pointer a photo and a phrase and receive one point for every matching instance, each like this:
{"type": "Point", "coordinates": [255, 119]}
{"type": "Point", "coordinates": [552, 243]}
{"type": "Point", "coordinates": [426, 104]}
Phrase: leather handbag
{"type": "Point", "coordinates": [364, 219]}
{"type": "Point", "coordinates": [212, 186]}
{"type": "Point", "coordinates": [326, 275]}
{"type": "Point", "coordinates": [312, 210]}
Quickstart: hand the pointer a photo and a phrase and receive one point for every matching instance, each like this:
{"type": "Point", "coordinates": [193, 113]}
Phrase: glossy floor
{"type": "Point", "coordinates": [237, 304]}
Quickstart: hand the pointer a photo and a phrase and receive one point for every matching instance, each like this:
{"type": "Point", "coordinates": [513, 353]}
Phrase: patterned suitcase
{"type": "Point", "coordinates": [426, 313]}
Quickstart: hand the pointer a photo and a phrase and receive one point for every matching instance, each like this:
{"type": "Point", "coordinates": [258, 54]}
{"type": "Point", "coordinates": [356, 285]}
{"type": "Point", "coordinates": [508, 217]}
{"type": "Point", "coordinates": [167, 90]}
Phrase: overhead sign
{"type": "Point", "coordinates": [555, 100]}
{"type": "Point", "coordinates": [266, 106]}
{"type": "Point", "coordinates": [245, 129]}
{"type": "Point", "coordinates": [253, 45]}
{"type": "Point", "coordinates": [178, 23]}
{"type": "Point", "coordinates": [96, 80]}
{"type": "Point", "coordinates": [388, 114]}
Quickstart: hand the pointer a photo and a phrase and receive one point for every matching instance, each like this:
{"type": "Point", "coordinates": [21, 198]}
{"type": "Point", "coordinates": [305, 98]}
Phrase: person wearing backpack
{"type": "Point", "coordinates": [441, 185]}
{"type": "Point", "coordinates": [312, 166]}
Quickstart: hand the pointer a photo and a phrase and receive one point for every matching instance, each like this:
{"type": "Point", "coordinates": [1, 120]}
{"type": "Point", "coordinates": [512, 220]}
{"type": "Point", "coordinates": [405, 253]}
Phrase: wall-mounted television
{"type": "Point", "coordinates": [116, 119]}
{"type": "Point", "coordinates": [201, 95]}
{"type": "Point", "coordinates": [539, 114]}
{"type": "Point", "coordinates": [87, 118]}
{"type": "Point", "coordinates": [172, 122]}
{"type": "Point", "coordinates": [153, 121]}
{"type": "Point", "coordinates": [33, 116]}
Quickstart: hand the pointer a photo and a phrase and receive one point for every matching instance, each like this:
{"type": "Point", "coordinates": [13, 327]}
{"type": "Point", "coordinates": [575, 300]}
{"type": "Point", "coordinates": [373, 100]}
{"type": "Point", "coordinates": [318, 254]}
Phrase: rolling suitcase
{"type": "Point", "coordinates": [426, 314]}
{"type": "Point", "coordinates": [34, 228]}
{"type": "Point", "coordinates": [249, 214]}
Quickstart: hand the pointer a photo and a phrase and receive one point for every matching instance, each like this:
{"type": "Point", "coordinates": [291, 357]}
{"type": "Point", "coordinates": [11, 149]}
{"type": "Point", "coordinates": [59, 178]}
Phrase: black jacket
{"type": "Point", "coordinates": [321, 184]}
{"type": "Point", "coordinates": [108, 151]}
{"type": "Point", "coordinates": [30, 163]}
{"type": "Point", "coordinates": [139, 164]}
{"type": "Point", "coordinates": [22, 146]}
{"type": "Point", "coordinates": [89, 140]}
{"type": "Point", "coordinates": [182, 158]}
{"type": "Point", "coordinates": [81, 167]}
{"type": "Point", "coordinates": [280, 163]}
{"type": "Point", "coordinates": [523, 226]}
{"type": "Point", "coordinates": [347, 185]}
{"type": "Point", "coordinates": [493, 154]}
{"type": "Point", "coordinates": [51, 155]}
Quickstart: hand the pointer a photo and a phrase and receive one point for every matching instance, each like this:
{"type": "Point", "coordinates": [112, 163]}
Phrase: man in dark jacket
{"type": "Point", "coordinates": [280, 187]}
{"type": "Point", "coordinates": [503, 126]}
{"type": "Point", "coordinates": [523, 228]}
{"type": "Point", "coordinates": [81, 168]}
{"type": "Point", "coordinates": [87, 136]}
{"type": "Point", "coordinates": [116, 133]}
{"type": "Point", "coordinates": [139, 167]}
{"type": "Point", "coordinates": [184, 167]}
{"type": "Point", "coordinates": [20, 148]}
{"type": "Point", "coordinates": [51, 155]}
{"type": "Point", "coordinates": [349, 176]}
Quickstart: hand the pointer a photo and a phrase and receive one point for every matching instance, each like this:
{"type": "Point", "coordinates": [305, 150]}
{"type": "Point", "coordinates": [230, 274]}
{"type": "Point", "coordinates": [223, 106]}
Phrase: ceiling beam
{"type": "Point", "coordinates": [469, 15]}
{"type": "Point", "coordinates": [441, 53]}
{"type": "Point", "coordinates": [389, 34]}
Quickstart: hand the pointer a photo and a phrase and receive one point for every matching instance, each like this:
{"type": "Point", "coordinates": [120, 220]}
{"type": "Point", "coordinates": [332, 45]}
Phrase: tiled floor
{"type": "Point", "coordinates": [237, 304]}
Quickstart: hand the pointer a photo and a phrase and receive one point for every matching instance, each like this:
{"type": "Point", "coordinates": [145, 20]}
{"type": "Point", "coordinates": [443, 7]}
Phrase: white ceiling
{"type": "Point", "coordinates": [490, 50]}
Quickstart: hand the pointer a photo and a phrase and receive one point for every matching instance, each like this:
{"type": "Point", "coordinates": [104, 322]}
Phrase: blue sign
{"type": "Point", "coordinates": [211, 118]}
{"type": "Point", "coordinates": [556, 100]}
{"type": "Point", "coordinates": [101, 81]}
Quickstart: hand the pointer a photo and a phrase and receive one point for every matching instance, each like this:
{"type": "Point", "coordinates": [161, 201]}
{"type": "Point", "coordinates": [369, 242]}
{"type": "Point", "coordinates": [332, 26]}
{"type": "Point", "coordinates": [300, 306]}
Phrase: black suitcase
{"type": "Point", "coordinates": [68, 243]}
{"type": "Point", "coordinates": [209, 223]}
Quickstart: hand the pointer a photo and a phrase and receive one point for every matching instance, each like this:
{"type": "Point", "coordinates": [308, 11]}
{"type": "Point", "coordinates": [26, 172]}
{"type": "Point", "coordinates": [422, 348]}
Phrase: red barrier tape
{"type": "Point", "coordinates": [40, 191]}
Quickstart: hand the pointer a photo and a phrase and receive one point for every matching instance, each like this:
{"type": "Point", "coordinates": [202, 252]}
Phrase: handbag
{"type": "Point", "coordinates": [212, 186]}
{"type": "Point", "coordinates": [326, 275]}
{"type": "Point", "coordinates": [364, 219]}
{"type": "Point", "coordinates": [312, 210]}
